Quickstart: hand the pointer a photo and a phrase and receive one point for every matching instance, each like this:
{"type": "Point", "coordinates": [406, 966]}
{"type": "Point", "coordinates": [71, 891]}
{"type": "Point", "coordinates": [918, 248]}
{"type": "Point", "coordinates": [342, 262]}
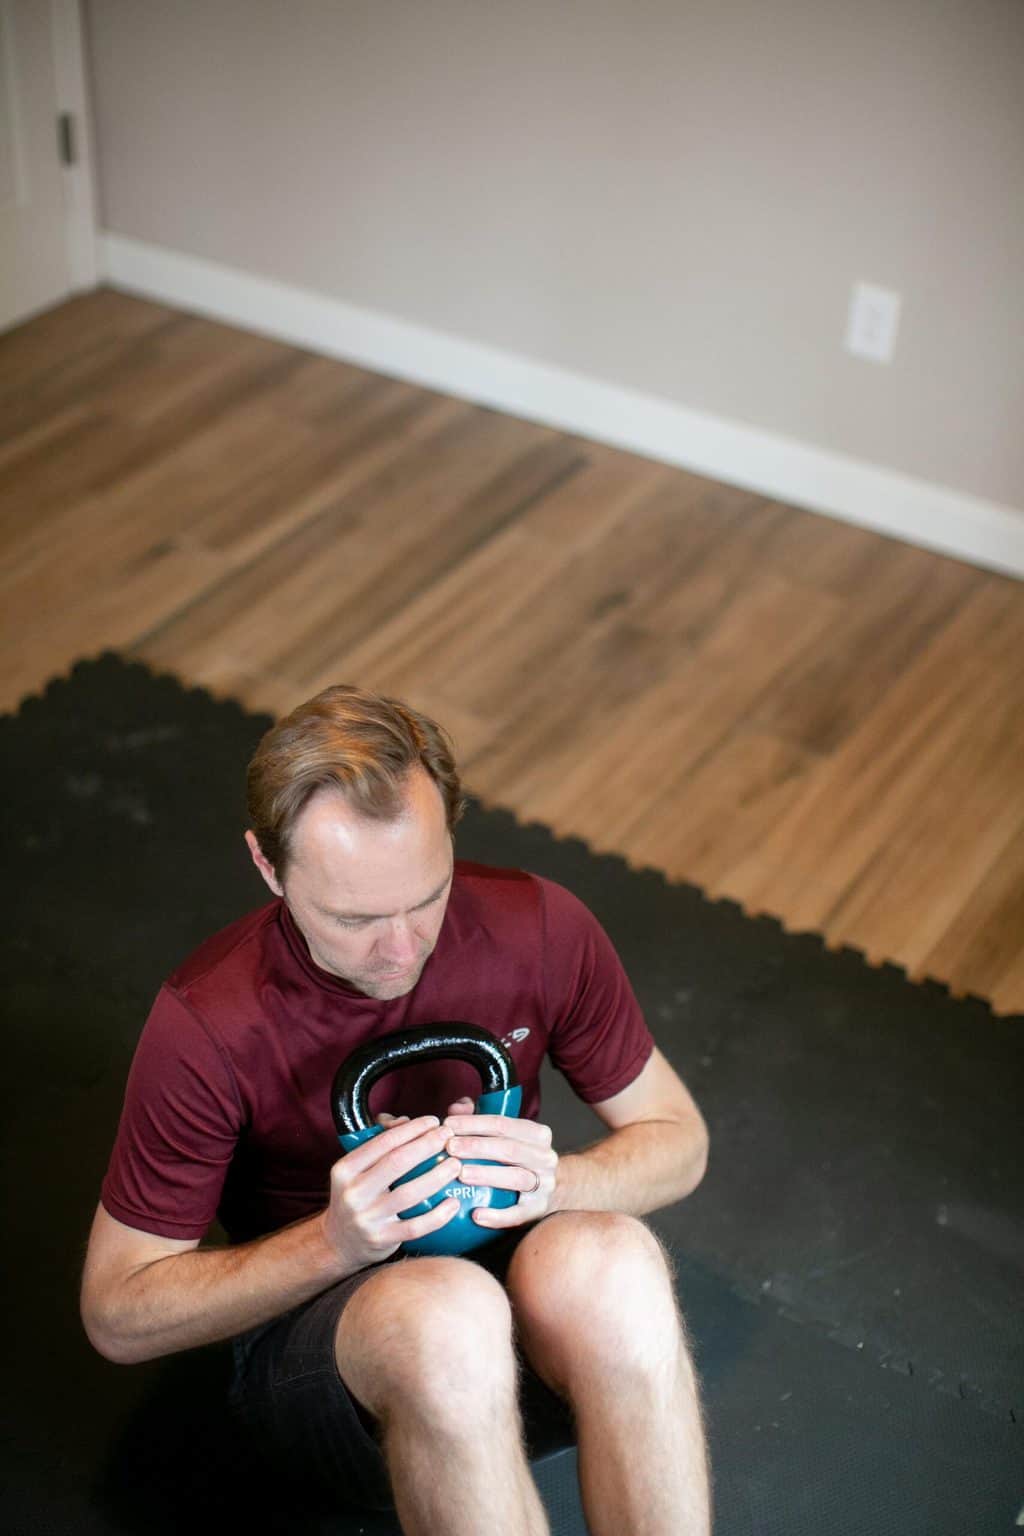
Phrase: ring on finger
{"type": "Point", "coordinates": [536, 1183]}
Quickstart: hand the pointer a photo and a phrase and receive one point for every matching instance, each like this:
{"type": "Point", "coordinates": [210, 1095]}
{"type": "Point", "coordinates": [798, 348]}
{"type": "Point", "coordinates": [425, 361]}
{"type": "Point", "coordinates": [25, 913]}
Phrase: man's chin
{"type": "Point", "coordinates": [384, 988]}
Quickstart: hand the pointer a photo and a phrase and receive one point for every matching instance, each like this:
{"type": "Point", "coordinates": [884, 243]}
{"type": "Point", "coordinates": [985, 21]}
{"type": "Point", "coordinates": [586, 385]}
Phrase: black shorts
{"type": "Point", "coordinates": [296, 1413]}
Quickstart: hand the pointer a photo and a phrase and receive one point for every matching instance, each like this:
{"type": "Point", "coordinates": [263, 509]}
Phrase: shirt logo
{"type": "Point", "coordinates": [515, 1036]}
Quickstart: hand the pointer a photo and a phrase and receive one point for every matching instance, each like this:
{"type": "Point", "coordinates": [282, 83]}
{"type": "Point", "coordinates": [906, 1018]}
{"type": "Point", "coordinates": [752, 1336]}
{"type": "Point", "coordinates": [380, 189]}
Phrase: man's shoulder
{"type": "Point", "coordinates": [233, 951]}
{"type": "Point", "coordinates": [516, 892]}
{"type": "Point", "coordinates": [496, 885]}
{"type": "Point", "coordinates": [471, 874]}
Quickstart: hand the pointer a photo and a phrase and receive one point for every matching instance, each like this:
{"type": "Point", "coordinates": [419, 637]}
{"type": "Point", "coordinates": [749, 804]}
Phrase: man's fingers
{"type": "Point", "coordinates": [502, 1176]}
{"type": "Point", "coordinates": [407, 1196]}
{"type": "Point", "coordinates": [500, 1217]}
{"type": "Point", "coordinates": [461, 1107]}
{"type": "Point", "coordinates": [431, 1221]}
{"type": "Point", "coordinates": [501, 1149]}
{"type": "Point", "coordinates": [504, 1126]}
{"type": "Point", "coordinates": [373, 1151]}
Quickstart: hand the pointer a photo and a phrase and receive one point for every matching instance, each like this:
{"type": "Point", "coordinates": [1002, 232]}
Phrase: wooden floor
{"type": "Point", "coordinates": [819, 722]}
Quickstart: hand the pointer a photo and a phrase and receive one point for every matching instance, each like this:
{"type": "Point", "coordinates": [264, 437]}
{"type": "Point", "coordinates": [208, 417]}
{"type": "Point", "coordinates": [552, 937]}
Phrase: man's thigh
{"type": "Point", "coordinates": [296, 1411]}
{"type": "Point", "coordinates": [292, 1402]}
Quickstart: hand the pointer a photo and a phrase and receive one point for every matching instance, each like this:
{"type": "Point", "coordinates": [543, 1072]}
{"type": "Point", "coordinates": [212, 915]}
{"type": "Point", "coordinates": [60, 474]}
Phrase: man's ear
{"type": "Point", "coordinates": [264, 866]}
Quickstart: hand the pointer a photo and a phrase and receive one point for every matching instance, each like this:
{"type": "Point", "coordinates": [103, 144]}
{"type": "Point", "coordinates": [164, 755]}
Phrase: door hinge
{"type": "Point", "coordinates": [66, 138]}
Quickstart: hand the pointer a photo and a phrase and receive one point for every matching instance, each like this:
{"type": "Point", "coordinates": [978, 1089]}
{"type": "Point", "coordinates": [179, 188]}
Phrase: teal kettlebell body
{"type": "Point", "coordinates": [501, 1096]}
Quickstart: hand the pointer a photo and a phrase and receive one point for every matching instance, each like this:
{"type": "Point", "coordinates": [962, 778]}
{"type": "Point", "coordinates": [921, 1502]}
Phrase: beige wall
{"type": "Point", "coordinates": [673, 197]}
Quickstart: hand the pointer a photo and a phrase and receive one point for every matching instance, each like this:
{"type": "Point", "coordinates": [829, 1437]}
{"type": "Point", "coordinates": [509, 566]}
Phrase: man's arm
{"type": "Point", "coordinates": [144, 1296]}
{"type": "Point", "coordinates": [657, 1152]}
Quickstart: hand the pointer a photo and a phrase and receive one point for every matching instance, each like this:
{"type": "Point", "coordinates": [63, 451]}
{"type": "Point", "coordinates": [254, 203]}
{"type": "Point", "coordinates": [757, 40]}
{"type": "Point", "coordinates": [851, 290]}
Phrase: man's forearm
{"type": "Point", "coordinates": [187, 1299]}
{"type": "Point", "coordinates": [639, 1168]}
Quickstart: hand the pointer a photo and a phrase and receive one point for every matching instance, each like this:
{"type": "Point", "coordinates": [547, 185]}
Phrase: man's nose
{"type": "Point", "coordinates": [399, 945]}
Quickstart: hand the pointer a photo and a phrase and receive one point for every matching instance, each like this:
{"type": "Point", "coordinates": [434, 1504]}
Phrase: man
{"type": "Point", "coordinates": [374, 1374]}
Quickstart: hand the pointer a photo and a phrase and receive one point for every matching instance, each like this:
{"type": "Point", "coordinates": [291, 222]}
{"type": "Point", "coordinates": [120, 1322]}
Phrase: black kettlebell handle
{"type": "Point", "coordinates": [350, 1093]}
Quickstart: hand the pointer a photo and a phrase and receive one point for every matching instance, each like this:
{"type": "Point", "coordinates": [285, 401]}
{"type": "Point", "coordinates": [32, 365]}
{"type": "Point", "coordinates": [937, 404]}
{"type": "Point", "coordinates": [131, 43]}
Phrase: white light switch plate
{"type": "Point", "coordinates": [872, 323]}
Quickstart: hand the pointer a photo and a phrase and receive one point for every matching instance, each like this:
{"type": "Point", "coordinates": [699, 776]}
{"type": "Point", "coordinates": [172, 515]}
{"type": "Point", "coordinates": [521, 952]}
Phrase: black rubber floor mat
{"type": "Point", "coordinates": [852, 1267]}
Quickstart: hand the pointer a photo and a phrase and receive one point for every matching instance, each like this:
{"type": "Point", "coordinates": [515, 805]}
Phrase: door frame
{"type": "Point", "coordinates": [80, 231]}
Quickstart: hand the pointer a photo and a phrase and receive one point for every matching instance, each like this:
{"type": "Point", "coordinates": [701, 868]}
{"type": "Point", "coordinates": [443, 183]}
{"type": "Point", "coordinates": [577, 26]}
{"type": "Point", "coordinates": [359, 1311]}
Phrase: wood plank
{"type": "Point", "coordinates": [725, 806]}
{"type": "Point", "coordinates": [157, 582]}
{"type": "Point", "coordinates": [955, 830]}
{"type": "Point", "coordinates": [980, 951]}
{"type": "Point", "coordinates": [479, 498]}
{"type": "Point", "coordinates": [475, 605]}
{"type": "Point", "coordinates": [864, 791]}
{"type": "Point", "coordinates": [628, 770]}
{"type": "Point", "coordinates": [1007, 995]}
{"type": "Point", "coordinates": [830, 556]}
{"type": "Point", "coordinates": [618, 581]}
{"type": "Point", "coordinates": [284, 611]}
{"type": "Point", "coordinates": [878, 632]}
{"type": "Point", "coordinates": [46, 351]}
{"type": "Point", "coordinates": [156, 505]}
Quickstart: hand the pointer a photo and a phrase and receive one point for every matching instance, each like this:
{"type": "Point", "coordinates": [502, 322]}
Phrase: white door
{"type": "Point", "coordinates": [47, 246]}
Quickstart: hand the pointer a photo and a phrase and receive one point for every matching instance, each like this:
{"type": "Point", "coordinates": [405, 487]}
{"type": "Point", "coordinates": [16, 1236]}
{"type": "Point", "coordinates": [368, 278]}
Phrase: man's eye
{"type": "Point", "coordinates": [351, 922]}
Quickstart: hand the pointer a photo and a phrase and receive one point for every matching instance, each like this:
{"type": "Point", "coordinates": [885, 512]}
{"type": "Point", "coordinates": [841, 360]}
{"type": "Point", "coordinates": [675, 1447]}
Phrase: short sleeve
{"type": "Point", "coordinates": [599, 1040]}
{"type": "Point", "coordinates": [178, 1129]}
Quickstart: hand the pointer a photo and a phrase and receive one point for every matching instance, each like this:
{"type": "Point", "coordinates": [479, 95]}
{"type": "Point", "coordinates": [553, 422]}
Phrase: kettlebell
{"type": "Point", "coordinates": [350, 1094]}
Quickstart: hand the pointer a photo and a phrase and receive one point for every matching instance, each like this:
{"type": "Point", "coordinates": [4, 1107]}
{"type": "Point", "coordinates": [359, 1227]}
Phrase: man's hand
{"type": "Point", "coordinates": [361, 1223]}
{"type": "Point", "coordinates": [523, 1148]}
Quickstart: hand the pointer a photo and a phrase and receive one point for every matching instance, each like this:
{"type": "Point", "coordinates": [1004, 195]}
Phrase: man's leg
{"type": "Point", "coordinates": [426, 1346]}
{"type": "Point", "coordinates": [596, 1315]}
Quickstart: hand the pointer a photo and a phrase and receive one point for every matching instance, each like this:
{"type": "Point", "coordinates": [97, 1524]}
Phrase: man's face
{"type": "Point", "coordinates": [369, 896]}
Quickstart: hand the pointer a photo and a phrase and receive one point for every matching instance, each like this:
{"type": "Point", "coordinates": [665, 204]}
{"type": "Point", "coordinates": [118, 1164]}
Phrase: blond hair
{"type": "Point", "coordinates": [362, 744]}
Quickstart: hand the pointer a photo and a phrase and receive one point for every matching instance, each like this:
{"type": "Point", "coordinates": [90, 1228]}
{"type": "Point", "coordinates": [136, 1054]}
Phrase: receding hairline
{"type": "Point", "coordinates": [360, 816]}
{"type": "Point", "coordinates": [400, 809]}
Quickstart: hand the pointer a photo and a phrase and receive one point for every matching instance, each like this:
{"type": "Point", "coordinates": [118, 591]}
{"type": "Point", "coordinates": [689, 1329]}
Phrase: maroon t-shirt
{"type": "Point", "coordinates": [227, 1109]}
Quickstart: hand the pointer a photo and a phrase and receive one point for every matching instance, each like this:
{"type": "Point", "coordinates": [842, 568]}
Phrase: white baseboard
{"type": "Point", "coordinates": [982, 532]}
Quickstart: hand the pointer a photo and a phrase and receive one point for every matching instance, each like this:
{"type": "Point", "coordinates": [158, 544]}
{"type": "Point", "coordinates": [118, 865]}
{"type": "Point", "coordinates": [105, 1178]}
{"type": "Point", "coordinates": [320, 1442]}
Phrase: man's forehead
{"type": "Point", "coordinates": [350, 863]}
{"type": "Point", "coordinates": [328, 823]}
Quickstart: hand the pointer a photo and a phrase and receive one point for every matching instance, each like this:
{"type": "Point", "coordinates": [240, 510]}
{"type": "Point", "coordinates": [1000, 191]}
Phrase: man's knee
{"type": "Point", "coordinates": [428, 1336]}
{"type": "Point", "coordinates": [599, 1283]}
